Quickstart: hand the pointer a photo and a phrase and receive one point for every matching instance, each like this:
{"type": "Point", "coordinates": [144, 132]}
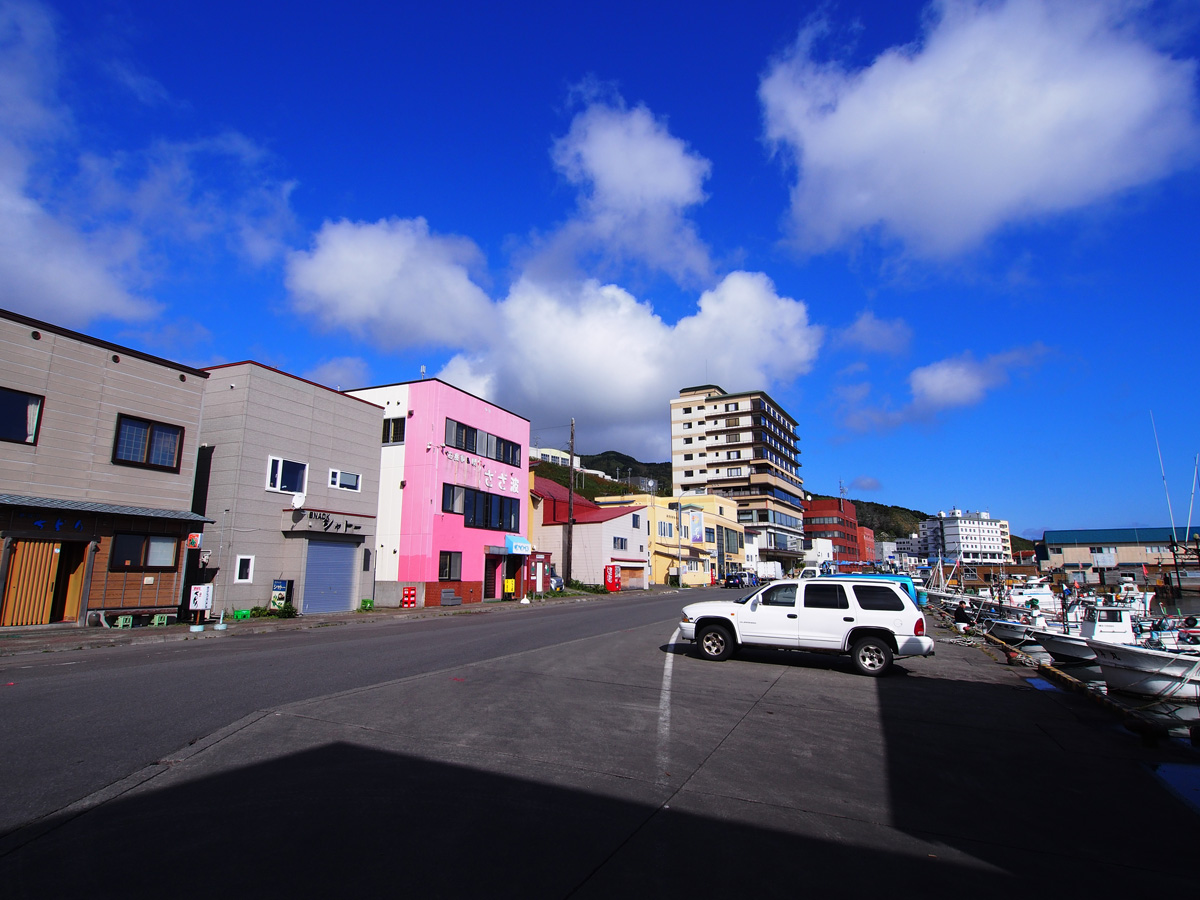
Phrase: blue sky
{"type": "Point", "coordinates": [956, 240]}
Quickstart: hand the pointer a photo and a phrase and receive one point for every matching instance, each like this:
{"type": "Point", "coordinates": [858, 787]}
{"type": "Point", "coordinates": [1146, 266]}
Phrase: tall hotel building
{"type": "Point", "coordinates": [742, 446]}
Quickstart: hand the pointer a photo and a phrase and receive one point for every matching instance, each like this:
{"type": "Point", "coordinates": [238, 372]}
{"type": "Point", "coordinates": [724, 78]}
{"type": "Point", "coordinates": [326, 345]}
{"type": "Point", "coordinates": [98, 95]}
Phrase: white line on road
{"type": "Point", "coordinates": [664, 711]}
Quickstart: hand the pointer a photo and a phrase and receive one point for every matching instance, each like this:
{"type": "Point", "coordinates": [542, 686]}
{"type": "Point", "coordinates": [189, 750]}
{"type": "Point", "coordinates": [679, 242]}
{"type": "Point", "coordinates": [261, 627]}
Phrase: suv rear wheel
{"type": "Point", "coordinates": [872, 656]}
{"type": "Point", "coordinates": [715, 642]}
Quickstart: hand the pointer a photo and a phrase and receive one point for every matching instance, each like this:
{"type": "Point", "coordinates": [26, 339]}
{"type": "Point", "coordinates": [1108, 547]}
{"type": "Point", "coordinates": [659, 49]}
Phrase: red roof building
{"type": "Point", "coordinates": [602, 535]}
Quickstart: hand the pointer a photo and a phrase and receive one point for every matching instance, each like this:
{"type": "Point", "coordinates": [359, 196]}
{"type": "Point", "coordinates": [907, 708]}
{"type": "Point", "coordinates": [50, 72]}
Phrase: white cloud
{"type": "Point", "coordinates": [558, 345]}
{"type": "Point", "coordinates": [84, 235]}
{"type": "Point", "coordinates": [49, 267]}
{"type": "Point", "coordinates": [947, 384]}
{"type": "Point", "coordinates": [609, 361]}
{"type": "Point", "coordinates": [888, 336]}
{"type": "Point", "coordinates": [865, 483]}
{"type": "Point", "coordinates": [637, 182]}
{"type": "Point", "coordinates": [392, 282]}
{"type": "Point", "coordinates": [342, 373]}
{"type": "Point", "coordinates": [1003, 113]}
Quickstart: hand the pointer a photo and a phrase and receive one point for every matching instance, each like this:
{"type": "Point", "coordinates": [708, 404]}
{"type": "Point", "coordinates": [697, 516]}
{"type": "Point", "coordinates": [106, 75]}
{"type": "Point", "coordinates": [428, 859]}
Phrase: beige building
{"type": "Point", "coordinates": [699, 530]}
{"type": "Point", "coordinates": [742, 447]}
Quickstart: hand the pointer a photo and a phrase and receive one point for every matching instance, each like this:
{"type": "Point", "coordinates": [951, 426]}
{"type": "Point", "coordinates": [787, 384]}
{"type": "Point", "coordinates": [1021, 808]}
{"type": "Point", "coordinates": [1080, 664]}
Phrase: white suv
{"type": "Point", "coordinates": [873, 621]}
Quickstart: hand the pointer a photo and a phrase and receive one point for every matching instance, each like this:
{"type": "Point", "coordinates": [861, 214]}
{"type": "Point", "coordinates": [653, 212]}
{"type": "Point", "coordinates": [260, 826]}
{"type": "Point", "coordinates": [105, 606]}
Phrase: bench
{"type": "Point", "coordinates": [449, 598]}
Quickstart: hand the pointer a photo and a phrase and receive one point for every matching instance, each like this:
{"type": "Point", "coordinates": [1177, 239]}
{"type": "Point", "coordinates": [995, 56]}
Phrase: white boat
{"type": "Point", "coordinates": [1111, 623]}
{"type": "Point", "coordinates": [1149, 673]}
{"type": "Point", "coordinates": [1016, 631]}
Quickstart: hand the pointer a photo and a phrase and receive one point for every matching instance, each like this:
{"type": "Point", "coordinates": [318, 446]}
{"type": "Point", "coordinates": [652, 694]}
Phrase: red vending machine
{"type": "Point", "coordinates": [612, 578]}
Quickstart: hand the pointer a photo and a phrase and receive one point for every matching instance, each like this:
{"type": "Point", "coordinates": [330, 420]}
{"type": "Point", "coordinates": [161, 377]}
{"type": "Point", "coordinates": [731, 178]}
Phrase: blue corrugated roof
{"type": "Point", "coordinates": [1098, 536]}
{"type": "Point", "coordinates": [111, 509]}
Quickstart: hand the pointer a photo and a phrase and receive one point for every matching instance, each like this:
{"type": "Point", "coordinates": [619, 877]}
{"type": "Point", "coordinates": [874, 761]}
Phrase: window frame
{"type": "Point", "coordinates": [152, 425]}
{"type": "Point", "coordinates": [41, 411]}
{"type": "Point", "coordinates": [449, 565]}
{"type": "Point", "coordinates": [282, 460]}
{"type": "Point", "coordinates": [237, 570]}
{"type": "Point", "coordinates": [620, 543]}
{"type": "Point", "coordinates": [842, 602]}
{"type": "Point", "coordinates": [147, 540]}
{"type": "Point", "coordinates": [335, 476]}
{"type": "Point", "coordinates": [390, 427]}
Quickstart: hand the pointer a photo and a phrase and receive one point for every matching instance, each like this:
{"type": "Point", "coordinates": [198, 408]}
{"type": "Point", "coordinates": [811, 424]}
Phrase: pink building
{"type": "Point", "coordinates": [453, 496]}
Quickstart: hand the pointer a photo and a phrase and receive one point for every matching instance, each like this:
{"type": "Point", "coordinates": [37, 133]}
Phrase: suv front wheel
{"type": "Point", "coordinates": [872, 656]}
{"type": "Point", "coordinates": [715, 642]}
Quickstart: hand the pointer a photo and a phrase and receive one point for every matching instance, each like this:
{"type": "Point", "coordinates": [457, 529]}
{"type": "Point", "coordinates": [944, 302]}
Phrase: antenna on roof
{"type": "Point", "coordinates": [422, 372]}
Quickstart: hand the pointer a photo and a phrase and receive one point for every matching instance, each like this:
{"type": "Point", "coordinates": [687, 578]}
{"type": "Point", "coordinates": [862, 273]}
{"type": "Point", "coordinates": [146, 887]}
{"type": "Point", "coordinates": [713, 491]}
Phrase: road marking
{"type": "Point", "coordinates": [664, 711]}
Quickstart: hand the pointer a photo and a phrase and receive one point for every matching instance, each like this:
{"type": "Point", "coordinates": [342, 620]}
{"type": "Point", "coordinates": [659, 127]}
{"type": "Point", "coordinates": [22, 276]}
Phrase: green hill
{"type": "Point", "coordinates": [888, 522]}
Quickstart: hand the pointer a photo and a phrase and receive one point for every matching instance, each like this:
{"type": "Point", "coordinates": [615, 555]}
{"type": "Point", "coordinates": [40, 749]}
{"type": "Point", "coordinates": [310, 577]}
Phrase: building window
{"type": "Point", "coordinates": [733, 439]}
{"type": "Point", "coordinates": [734, 454]}
{"type": "Point", "coordinates": [142, 553]}
{"type": "Point", "coordinates": [687, 440]}
{"type": "Point", "coordinates": [244, 571]}
{"type": "Point", "coordinates": [637, 521]}
{"type": "Point", "coordinates": [687, 410]}
{"type": "Point", "coordinates": [393, 431]}
{"type": "Point", "coordinates": [687, 425]}
{"type": "Point", "coordinates": [620, 543]}
{"type": "Point", "coordinates": [730, 407]}
{"type": "Point", "coordinates": [450, 565]}
{"type": "Point", "coordinates": [473, 440]}
{"type": "Point", "coordinates": [346, 481]}
{"type": "Point", "coordinates": [735, 472]}
{"type": "Point", "coordinates": [666, 529]}
{"type": "Point", "coordinates": [153, 445]}
{"type": "Point", "coordinates": [20, 416]}
{"type": "Point", "coordinates": [687, 456]}
{"type": "Point", "coordinates": [688, 473]}
{"type": "Point", "coordinates": [286, 476]}
{"type": "Point", "coordinates": [480, 509]}
{"type": "Point", "coordinates": [710, 535]}
{"type": "Point", "coordinates": [733, 422]}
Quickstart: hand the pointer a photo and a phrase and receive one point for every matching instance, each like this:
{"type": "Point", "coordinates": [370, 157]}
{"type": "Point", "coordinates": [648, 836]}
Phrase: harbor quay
{"type": "Point", "coordinates": [621, 764]}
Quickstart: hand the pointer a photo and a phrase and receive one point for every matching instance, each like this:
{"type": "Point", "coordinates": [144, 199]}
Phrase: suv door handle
{"type": "Point", "coordinates": [791, 615]}
{"type": "Point", "coordinates": [847, 618]}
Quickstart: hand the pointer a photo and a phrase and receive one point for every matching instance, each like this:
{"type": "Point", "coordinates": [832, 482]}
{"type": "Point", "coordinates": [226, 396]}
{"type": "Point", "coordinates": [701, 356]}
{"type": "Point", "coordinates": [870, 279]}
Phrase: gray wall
{"type": "Point", "coordinates": [251, 413]}
{"type": "Point", "coordinates": [85, 390]}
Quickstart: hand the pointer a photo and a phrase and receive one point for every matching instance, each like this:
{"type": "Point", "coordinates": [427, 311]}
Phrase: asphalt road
{"type": "Point", "coordinates": [76, 722]}
{"type": "Point", "coordinates": [577, 752]}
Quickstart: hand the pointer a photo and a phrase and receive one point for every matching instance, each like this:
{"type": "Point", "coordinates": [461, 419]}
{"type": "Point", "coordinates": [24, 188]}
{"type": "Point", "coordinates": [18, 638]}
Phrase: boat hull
{"type": "Point", "coordinates": [1064, 647]}
{"type": "Point", "coordinates": [1148, 673]}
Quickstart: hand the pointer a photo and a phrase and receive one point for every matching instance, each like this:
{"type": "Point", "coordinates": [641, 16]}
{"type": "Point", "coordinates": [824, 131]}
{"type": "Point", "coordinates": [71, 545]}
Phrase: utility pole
{"type": "Point", "coordinates": [570, 506]}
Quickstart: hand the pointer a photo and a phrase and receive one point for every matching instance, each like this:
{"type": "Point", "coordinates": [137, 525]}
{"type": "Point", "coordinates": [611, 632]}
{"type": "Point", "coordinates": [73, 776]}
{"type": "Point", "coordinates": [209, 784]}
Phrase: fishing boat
{"type": "Point", "coordinates": [1111, 623]}
{"type": "Point", "coordinates": [1149, 673]}
{"type": "Point", "coordinates": [1016, 631]}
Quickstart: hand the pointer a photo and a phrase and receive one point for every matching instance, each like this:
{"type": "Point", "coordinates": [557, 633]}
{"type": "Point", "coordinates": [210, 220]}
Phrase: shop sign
{"type": "Point", "coordinates": [320, 520]}
{"type": "Point", "coordinates": [201, 597]}
{"type": "Point", "coordinates": [517, 545]}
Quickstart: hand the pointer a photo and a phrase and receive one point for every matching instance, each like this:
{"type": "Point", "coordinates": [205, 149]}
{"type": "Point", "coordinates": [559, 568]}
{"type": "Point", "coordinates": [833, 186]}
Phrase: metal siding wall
{"type": "Point", "coordinates": [329, 577]}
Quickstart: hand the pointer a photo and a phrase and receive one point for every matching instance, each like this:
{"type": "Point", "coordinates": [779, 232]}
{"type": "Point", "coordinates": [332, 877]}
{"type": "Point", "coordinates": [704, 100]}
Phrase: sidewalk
{"type": "Point", "coordinates": [53, 638]}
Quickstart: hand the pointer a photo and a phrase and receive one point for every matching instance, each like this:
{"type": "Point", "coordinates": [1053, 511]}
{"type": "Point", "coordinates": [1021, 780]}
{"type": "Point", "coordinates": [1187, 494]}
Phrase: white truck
{"type": "Point", "coordinates": [769, 571]}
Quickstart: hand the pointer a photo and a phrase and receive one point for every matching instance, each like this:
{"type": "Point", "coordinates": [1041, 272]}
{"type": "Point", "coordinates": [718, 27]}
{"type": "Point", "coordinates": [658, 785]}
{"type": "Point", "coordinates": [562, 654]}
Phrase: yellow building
{"type": "Point", "coordinates": [699, 530]}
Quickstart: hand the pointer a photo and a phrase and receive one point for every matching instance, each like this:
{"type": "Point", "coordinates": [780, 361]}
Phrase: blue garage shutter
{"type": "Point", "coordinates": [329, 577]}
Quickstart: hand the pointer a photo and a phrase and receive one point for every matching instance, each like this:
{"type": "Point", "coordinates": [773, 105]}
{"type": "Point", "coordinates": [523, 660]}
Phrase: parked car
{"type": "Point", "coordinates": [556, 582]}
{"type": "Point", "coordinates": [873, 621]}
{"type": "Point", "coordinates": [734, 580]}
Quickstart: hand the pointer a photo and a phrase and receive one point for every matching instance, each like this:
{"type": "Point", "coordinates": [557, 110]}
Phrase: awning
{"type": "Point", "coordinates": [516, 544]}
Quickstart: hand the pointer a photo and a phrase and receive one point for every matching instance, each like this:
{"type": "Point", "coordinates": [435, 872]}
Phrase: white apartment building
{"type": "Point", "coordinates": [973, 537]}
